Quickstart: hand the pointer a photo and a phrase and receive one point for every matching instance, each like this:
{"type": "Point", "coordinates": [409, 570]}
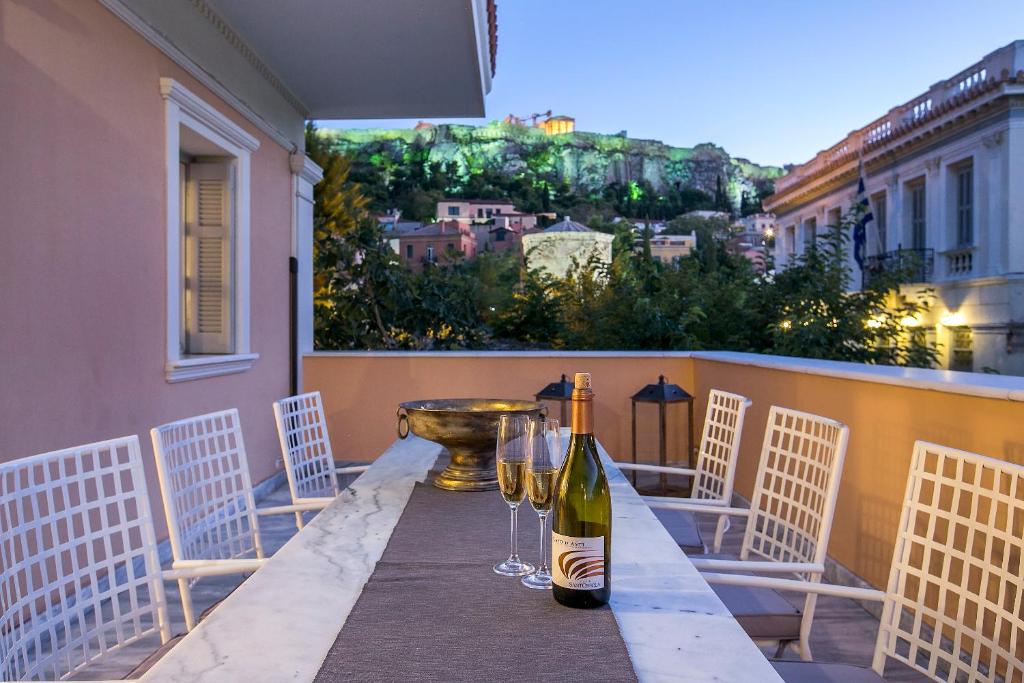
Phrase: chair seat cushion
{"type": "Point", "coordinates": [815, 672]}
{"type": "Point", "coordinates": [762, 612]}
{"type": "Point", "coordinates": [682, 526]}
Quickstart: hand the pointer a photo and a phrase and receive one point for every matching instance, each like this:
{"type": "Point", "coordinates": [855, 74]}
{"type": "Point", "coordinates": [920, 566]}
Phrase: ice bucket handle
{"type": "Point", "coordinates": [403, 417]}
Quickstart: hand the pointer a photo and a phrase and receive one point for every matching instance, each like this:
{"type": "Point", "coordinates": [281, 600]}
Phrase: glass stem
{"type": "Point", "coordinates": [543, 546]}
{"type": "Point", "coordinates": [514, 537]}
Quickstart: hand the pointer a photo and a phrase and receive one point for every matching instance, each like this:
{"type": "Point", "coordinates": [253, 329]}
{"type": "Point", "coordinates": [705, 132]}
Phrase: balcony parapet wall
{"type": "Point", "coordinates": [887, 409]}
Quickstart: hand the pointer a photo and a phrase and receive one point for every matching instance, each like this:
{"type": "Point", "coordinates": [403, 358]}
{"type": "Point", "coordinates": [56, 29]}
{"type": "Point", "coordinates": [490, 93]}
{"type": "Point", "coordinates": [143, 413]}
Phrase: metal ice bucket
{"type": "Point", "coordinates": [468, 428]}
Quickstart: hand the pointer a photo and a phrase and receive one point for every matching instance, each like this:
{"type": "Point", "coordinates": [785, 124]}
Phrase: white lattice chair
{"type": "Point", "coordinates": [788, 523]}
{"type": "Point", "coordinates": [306, 450]}
{"type": "Point", "coordinates": [713, 476]}
{"type": "Point", "coordinates": [954, 606]}
{"type": "Point", "coordinates": [211, 514]}
{"type": "Point", "coordinates": [81, 575]}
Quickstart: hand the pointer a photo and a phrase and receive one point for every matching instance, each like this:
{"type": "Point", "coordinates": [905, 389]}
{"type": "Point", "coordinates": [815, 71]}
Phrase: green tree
{"type": "Point", "coordinates": [809, 310]}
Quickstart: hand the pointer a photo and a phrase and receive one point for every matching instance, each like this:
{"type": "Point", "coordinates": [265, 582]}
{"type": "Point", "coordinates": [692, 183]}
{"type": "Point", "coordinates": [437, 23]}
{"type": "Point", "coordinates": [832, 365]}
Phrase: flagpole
{"type": "Point", "coordinates": [861, 228]}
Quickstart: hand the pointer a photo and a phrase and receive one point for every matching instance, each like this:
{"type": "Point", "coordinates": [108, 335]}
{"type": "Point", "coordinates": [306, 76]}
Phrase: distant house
{"type": "Point", "coordinates": [502, 231]}
{"type": "Point", "coordinates": [468, 211]}
{"type": "Point", "coordinates": [762, 224]}
{"type": "Point", "coordinates": [754, 238]}
{"type": "Point", "coordinates": [704, 213]}
{"type": "Point", "coordinates": [391, 223]}
{"type": "Point", "coordinates": [553, 250]}
{"type": "Point", "coordinates": [668, 248]}
{"type": "Point", "coordinates": [435, 243]}
{"type": "Point", "coordinates": [641, 224]}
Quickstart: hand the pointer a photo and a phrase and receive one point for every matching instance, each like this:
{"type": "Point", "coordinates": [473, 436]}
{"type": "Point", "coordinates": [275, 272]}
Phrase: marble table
{"type": "Point", "coordinates": [280, 623]}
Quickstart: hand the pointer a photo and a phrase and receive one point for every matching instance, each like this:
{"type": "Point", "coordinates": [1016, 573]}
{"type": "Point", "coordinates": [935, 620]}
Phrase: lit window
{"type": "Point", "coordinates": [962, 349]}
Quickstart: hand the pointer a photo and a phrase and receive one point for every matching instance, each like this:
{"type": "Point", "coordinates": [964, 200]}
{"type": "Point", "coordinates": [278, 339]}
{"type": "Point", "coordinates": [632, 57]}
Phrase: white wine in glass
{"type": "Point", "coordinates": [543, 458]}
{"type": "Point", "coordinates": [510, 456]}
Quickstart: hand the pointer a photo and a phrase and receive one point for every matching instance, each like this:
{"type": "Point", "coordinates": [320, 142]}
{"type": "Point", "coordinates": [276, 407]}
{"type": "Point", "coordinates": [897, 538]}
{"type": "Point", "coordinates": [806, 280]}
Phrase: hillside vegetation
{"type": "Point", "coordinates": [579, 173]}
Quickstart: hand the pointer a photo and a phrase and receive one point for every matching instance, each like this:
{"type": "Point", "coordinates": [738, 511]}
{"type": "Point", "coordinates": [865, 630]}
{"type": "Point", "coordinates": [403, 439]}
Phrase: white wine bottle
{"type": "Point", "coordinates": [581, 528]}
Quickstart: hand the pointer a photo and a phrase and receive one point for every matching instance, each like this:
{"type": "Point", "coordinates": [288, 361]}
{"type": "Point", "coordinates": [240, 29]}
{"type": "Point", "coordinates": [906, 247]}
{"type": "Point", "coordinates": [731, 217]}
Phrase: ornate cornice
{"type": "Point", "coordinates": [236, 42]}
{"type": "Point", "coordinates": [157, 39]}
{"type": "Point", "coordinates": [844, 170]}
{"type": "Point", "coordinates": [905, 136]}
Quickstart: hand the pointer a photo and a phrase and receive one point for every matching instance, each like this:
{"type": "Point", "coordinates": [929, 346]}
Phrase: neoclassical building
{"type": "Point", "coordinates": [944, 174]}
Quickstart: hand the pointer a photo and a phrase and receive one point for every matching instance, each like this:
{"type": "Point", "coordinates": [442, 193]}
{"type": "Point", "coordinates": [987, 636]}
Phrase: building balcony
{"type": "Point", "coordinates": [959, 262]}
{"type": "Point", "coordinates": [914, 266]}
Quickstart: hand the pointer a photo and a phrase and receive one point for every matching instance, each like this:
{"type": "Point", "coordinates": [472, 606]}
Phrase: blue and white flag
{"type": "Point", "coordinates": [860, 230]}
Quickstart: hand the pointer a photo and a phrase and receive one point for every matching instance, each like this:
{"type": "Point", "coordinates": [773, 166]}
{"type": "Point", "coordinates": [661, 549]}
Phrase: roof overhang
{"type": "Point", "coordinates": [352, 59]}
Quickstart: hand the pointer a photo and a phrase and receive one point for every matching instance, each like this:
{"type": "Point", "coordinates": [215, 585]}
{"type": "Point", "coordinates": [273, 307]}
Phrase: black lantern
{"type": "Point", "coordinates": [558, 391]}
{"type": "Point", "coordinates": [662, 394]}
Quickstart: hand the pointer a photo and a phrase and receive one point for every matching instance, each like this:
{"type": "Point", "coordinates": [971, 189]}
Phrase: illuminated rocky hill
{"type": "Point", "coordinates": [587, 161]}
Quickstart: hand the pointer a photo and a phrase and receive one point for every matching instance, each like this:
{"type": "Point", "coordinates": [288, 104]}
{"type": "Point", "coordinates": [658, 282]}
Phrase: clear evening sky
{"type": "Point", "coordinates": [771, 80]}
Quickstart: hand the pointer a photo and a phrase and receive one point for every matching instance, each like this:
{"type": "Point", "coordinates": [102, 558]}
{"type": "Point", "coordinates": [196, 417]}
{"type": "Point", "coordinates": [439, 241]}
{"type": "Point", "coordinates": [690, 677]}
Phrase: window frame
{"type": "Point", "coordinates": [184, 108]}
{"type": "Point", "coordinates": [810, 226]}
{"type": "Point", "coordinates": [918, 220]}
{"type": "Point", "coordinates": [963, 204]}
{"type": "Point", "coordinates": [880, 211]}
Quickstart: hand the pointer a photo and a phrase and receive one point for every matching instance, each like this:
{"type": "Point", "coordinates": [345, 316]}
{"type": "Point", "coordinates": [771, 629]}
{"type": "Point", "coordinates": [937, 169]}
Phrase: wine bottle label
{"type": "Point", "coordinates": [577, 562]}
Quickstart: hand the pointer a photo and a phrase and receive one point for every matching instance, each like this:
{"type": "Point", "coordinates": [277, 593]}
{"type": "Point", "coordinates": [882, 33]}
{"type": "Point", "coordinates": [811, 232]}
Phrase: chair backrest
{"type": "Point", "coordinates": [954, 608]}
{"type": "Point", "coordinates": [719, 445]}
{"type": "Point", "coordinates": [796, 487]}
{"type": "Point", "coordinates": [204, 478]}
{"type": "Point", "coordinates": [81, 575]}
{"type": "Point", "coordinates": [305, 446]}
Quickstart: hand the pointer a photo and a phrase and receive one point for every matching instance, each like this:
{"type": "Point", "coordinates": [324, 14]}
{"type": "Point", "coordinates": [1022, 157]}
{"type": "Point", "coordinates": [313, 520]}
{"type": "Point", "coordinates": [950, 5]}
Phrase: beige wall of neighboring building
{"type": "Point", "coordinates": [667, 248]}
{"type": "Point", "coordinates": [887, 409]}
{"type": "Point", "coordinates": [83, 266]}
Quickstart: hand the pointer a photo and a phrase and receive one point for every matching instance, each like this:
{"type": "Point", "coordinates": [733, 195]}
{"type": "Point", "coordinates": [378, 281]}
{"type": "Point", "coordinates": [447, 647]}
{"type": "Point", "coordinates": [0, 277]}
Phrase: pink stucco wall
{"type": "Point", "coordinates": [82, 244]}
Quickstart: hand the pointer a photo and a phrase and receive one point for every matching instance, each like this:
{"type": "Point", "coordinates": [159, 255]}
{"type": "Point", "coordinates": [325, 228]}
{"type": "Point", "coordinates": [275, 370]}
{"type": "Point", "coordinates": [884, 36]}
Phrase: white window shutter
{"type": "Point", "coordinates": [208, 258]}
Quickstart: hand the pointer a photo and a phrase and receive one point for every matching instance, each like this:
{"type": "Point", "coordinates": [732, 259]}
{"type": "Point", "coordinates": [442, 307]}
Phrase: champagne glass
{"type": "Point", "coordinates": [510, 454]}
{"type": "Point", "coordinates": [543, 458]}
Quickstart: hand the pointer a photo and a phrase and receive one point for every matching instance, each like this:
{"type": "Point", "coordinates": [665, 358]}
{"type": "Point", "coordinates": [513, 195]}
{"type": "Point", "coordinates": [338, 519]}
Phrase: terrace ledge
{"type": "Point", "coordinates": [1000, 387]}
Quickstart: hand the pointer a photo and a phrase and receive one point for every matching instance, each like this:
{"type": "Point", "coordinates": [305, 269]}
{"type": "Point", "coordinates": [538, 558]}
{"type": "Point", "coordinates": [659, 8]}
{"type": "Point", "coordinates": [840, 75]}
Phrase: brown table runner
{"type": "Point", "coordinates": [433, 610]}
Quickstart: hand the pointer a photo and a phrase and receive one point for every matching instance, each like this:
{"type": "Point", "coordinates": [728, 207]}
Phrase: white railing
{"type": "Point", "coordinates": [1007, 60]}
{"type": "Point", "coordinates": [960, 262]}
